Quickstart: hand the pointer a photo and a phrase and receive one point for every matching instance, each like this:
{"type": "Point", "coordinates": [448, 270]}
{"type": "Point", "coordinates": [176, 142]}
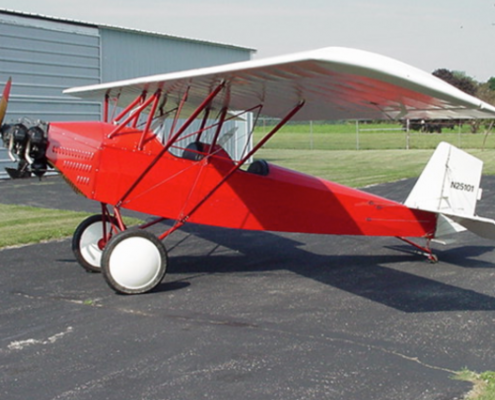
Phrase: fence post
{"type": "Point", "coordinates": [311, 135]}
{"type": "Point", "coordinates": [459, 127]}
{"type": "Point", "coordinates": [357, 135]}
{"type": "Point", "coordinates": [486, 135]}
{"type": "Point", "coordinates": [407, 134]}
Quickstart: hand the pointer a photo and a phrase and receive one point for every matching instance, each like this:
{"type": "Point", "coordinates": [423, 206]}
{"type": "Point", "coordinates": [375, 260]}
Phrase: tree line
{"type": "Point", "coordinates": [483, 90]}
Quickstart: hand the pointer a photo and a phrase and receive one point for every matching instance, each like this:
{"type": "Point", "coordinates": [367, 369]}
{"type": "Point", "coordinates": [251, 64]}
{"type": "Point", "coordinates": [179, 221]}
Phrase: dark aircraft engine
{"type": "Point", "coordinates": [20, 136]}
{"type": "Point", "coordinates": [26, 143]}
{"type": "Point", "coordinates": [36, 149]}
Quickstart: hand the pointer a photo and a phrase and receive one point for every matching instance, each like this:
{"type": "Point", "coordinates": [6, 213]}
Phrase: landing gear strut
{"type": "Point", "coordinates": [426, 250]}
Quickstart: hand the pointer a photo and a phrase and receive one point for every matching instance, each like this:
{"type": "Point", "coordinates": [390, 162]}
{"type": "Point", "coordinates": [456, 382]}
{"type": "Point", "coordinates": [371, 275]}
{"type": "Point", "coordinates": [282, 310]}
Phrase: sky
{"type": "Point", "coordinates": [430, 34]}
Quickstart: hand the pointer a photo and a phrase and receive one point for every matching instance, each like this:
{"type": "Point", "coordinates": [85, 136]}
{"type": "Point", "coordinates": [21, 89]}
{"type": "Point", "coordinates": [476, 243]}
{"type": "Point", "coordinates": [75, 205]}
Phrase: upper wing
{"type": "Point", "coordinates": [334, 83]}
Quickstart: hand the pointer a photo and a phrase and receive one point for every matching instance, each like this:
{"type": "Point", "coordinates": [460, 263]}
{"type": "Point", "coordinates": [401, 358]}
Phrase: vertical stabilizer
{"type": "Point", "coordinates": [449, 184]}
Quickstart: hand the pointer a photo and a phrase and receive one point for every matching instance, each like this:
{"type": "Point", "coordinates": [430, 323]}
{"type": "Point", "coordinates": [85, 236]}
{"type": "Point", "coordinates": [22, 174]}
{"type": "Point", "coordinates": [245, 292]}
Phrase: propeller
{"type": "Point", "coordinates": [5, 100]}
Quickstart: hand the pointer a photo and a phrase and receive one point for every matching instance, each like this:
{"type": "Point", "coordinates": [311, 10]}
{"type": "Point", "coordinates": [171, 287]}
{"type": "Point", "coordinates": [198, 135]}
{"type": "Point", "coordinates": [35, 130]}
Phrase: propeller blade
{"type": "Point", "coordinates": [5, 100]}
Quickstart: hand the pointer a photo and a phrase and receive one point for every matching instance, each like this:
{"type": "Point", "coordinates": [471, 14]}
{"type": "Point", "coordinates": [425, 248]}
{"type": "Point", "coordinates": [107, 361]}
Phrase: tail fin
{"type": "Point", "coordinates": [450, 186]}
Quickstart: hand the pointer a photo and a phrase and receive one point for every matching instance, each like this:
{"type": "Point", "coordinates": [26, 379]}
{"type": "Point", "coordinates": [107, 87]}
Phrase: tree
{"type": "Point", "coordinates": [486, 93]}
{"type": "Point", "coordinates": [458, 79]}
{"type": "Point", "coordinates": [491, 83]}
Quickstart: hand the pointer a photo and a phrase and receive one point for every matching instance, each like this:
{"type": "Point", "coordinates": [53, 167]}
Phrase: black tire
{"type": "Point", "coordinates": [85, 244]}
{"type": "Point", "coordinates": [134, 262]}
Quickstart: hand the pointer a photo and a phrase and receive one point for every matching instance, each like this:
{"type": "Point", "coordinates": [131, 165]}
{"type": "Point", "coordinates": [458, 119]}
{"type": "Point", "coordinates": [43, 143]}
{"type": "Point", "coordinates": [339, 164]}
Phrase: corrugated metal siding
{"type": "Point", "coordinates": [43, 58]}
{"type": "Point", "coordinates": [5, 162]}
{"type": "Point", "coordinates": [128, 54]}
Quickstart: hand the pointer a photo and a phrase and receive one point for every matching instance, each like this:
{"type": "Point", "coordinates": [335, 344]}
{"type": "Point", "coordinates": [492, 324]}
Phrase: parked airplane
{"type": "Point", "coordinates": [149, 159]}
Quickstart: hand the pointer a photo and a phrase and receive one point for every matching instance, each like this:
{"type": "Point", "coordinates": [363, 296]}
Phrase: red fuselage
{"type": "Point", "coordinates": [110, 170]}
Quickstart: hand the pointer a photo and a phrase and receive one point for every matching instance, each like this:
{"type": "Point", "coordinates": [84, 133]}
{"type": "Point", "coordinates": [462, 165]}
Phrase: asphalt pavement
{"type": "Point", "coordinates": [248, 315]}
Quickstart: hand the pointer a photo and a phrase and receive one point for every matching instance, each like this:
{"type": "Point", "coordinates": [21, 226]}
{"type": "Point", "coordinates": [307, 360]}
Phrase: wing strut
{"type": "Point", "coordinates": [203, 124]}
{"type": "Point", "coordinates": [135, 115]}
{"type": "Point", "coordinates": [184, 219]}
{"type": "Point", "coordinates": [206, 102]}
{"type": "Point", "coordinates": [156, 100]}
{"type": "Point", "coordinates": [223, 114]}
{"type": "Point", "coordinates": [179, 110]}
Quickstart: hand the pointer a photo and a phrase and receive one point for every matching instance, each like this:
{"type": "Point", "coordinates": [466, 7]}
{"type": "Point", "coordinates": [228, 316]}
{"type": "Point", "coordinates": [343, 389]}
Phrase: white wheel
{"type": "Point", "coordinates": [88, 242]}
{"type": "Point", "coordinates": [134, 262]}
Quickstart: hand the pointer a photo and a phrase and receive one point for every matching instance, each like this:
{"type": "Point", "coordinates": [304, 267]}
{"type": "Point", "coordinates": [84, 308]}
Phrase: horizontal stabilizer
{"type": "Point", "coordinates": [484, 227]}
{"type": "Point", "coordinates": [447, 227]}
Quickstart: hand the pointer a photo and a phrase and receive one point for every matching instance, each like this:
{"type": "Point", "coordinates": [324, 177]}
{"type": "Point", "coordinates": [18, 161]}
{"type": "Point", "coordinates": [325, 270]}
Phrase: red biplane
{"type": "Point", "coordinates": [164, 154]}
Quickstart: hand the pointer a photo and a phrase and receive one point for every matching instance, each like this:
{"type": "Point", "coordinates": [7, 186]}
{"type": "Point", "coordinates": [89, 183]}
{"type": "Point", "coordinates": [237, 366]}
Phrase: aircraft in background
{"type": "Point", "coordinates": [160, 150]}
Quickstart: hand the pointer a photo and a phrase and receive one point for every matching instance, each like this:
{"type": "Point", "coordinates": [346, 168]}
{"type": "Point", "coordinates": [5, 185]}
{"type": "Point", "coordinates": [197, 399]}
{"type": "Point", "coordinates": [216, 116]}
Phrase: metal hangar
{"type": "Point", "coordinates": [45, 55]}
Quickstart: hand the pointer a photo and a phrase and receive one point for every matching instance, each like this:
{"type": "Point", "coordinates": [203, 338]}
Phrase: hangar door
{"type": "Point", "coordinates": [43, 58]}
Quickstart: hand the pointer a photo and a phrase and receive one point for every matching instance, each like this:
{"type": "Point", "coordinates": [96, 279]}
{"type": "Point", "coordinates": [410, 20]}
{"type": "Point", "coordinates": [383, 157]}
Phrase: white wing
{"type": "Point", "coordinates": [335, 83]}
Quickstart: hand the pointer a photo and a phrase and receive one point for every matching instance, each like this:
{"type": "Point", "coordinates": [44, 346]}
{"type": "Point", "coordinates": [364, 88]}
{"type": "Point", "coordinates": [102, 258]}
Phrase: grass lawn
{"type": "Point", "coordinates": [308, 148]}
{"type": "Point", "coordinates": [483, 384]}
{"type": "Point", "coordinates": [24, 225]}
{"type": "Point", "coordinates": [361, 168]}
{"type": "Point", "coordinates": [382, 136]}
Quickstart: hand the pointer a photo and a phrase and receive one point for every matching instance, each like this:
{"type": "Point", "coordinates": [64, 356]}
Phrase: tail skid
{"type": "Point", "coordinates": [450, 187]}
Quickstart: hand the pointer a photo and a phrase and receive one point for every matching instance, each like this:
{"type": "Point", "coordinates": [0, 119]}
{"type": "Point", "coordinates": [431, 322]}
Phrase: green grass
{"type": "Point", "coordinates": [306, 148]}
{"type": "Point", "coordinates": [370, 137]}
{"type": "Point", "coordinates": [25, 225]}
{"type": "Point", "coordinates": [361, 168]}
{"type": "Point", "coordinates": [483, 384]}
{"type": "Point", "coordinates": [324, 127]}
{"type": "Point", "coordinates": [22, 225]}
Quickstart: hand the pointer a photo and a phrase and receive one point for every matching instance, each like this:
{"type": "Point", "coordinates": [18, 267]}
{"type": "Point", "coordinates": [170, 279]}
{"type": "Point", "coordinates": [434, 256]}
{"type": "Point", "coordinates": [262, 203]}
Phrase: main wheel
{"type": "Point", "coordinates": [134, 261]}
{"type": "Point", "coordinates": [88, 241]}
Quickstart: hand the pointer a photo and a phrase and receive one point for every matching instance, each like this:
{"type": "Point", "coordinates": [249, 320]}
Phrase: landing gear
{"type": "Point", "coordinates": [90, 238]}
{"type": "Point", "coordinates": [432, 258]}
{"type": "Point", "coordinates": [134, 262]}
{"type": "Point", "coordinates": [426, 250]}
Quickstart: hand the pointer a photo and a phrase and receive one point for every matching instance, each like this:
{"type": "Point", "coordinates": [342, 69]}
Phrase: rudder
{"type": "Point", "coordinates": [450, 186]}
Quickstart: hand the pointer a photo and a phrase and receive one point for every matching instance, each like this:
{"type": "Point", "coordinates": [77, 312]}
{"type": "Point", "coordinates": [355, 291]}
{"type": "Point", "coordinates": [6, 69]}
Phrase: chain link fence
{"type": "Point", "coordinates": [359, 135]}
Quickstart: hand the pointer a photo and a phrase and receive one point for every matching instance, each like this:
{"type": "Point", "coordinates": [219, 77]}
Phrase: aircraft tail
{"type": "Point", "coordinates": [450, 186]}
